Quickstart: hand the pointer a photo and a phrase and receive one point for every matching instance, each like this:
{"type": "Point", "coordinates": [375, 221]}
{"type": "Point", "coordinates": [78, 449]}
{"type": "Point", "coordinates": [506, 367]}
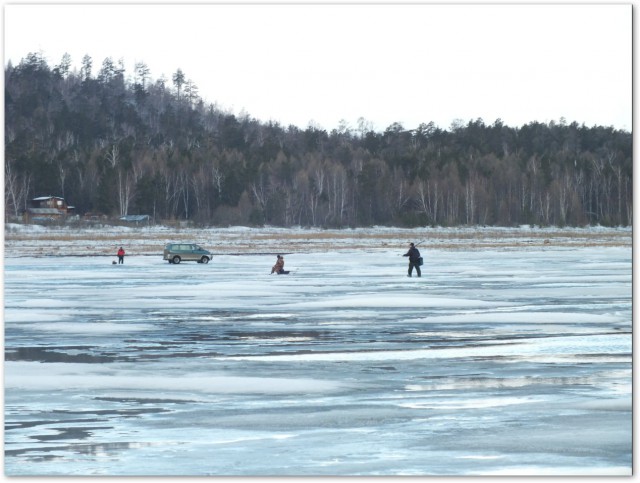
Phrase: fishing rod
{"type": "Point", "coordinates": [416, 244]}
{"type": "Point", "coordinates": [421, 241]}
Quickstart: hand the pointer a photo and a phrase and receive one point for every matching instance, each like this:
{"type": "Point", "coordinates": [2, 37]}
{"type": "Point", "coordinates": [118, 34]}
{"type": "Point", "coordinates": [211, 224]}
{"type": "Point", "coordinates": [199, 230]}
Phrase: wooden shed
{"type": "Point", "coordinates": [48, 208]}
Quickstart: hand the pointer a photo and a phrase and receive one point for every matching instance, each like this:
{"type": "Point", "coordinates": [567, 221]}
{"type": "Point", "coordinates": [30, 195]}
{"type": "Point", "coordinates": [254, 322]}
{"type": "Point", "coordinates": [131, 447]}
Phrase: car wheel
{"type": "Point", "coordinates": [204, 260]}
{"type": "Point", "coordinates": [176, 259]}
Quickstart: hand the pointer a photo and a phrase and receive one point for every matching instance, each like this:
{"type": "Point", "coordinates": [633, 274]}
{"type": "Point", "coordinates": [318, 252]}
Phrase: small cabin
{"type": "Point", "coordinates": [48, 208]}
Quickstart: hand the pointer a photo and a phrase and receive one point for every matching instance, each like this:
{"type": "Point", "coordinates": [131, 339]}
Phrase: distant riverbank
{"type": "Point", "coordinates": [37, 240]}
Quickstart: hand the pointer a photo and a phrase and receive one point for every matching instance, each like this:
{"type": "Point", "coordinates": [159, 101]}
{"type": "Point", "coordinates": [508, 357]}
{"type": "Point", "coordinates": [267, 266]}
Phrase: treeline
{"type": "Point", "coordinates": [118, 144]}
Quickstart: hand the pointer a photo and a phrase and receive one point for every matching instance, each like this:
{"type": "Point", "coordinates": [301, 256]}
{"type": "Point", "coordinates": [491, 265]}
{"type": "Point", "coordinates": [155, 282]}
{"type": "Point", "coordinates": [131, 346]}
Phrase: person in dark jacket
{"type": "Point", "coordinates": [414, 259]}
{"type": "Point", "coordinates": [120, 256]}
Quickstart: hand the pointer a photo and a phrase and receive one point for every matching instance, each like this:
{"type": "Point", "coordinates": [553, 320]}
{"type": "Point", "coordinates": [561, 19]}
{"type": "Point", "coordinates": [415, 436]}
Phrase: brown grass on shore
{"type": "Point", "coordinates": [55, 242]}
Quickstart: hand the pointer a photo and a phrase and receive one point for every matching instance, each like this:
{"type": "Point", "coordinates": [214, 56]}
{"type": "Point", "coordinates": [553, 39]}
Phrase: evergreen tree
{"type": "Point", "coordinates": [117, 146]}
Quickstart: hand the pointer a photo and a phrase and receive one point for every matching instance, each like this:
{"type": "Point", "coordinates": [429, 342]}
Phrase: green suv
{"type": "Point", "coordinates": [178, 252]}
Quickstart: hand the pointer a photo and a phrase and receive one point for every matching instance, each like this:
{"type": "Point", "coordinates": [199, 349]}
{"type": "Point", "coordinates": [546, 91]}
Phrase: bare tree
{"type": "Point", "coordinates": [400, 190]}
{"type": "Point", "coordinates": [260, 191]}
{"type": "Point", "coordinates": [217, 178]}
{"type": "Point", "coordinates": [470, 201]}
{"type": "Point", "coordinates": [16, 188]}
{"type": "Point", "coordinates": [338, 194]}
{"type": "Point", "coordinates": [316, 190]}
{"type": "Point", "coordinates": [113, 155]}
{"type": "Point", "coordinates": [126, 185]}
{"type": "Point", "coordinates": [429, 198]}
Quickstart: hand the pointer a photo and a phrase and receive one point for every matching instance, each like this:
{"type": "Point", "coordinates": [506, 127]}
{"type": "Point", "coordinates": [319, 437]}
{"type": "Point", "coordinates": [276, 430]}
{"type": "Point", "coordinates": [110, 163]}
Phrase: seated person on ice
{"type": "Point", "coordinates": [279, 266]}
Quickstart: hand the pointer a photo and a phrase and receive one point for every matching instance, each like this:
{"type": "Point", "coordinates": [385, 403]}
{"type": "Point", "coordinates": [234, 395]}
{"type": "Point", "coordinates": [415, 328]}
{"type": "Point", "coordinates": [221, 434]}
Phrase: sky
{"type": "Point", "coordinates": [324, 64]}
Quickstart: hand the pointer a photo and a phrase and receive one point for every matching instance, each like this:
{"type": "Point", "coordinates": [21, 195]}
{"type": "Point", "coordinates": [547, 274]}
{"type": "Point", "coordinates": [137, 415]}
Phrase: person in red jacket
{"type": "Point", "coordinates": [120, 256]}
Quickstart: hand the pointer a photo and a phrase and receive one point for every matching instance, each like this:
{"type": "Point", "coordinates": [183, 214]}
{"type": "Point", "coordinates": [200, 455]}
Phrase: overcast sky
{"type": "Point", "coordinates": [322, 63]}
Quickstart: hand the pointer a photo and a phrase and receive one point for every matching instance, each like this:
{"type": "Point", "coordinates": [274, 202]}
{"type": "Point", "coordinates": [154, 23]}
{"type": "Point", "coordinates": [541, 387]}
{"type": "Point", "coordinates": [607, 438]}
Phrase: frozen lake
{"type": "Point", "coordinates": [495, 362]}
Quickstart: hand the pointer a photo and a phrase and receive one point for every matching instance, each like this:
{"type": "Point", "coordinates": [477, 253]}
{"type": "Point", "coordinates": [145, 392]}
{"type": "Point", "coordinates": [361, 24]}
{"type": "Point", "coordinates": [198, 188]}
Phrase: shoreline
{"type": "Point", "coordinates": [38, 240]}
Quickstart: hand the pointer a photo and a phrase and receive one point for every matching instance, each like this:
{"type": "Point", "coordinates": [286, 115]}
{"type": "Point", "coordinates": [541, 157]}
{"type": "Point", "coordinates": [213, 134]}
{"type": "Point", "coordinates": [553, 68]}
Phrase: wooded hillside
{"type": "Point", "coordinates": [120, 143]}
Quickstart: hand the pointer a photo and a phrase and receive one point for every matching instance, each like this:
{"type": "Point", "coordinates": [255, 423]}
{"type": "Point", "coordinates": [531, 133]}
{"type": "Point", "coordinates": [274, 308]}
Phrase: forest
{"type": "Point", "coordinates": [119, 143]}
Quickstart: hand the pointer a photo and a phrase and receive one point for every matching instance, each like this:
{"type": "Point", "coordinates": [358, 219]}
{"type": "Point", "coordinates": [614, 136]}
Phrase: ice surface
{"type": "Point", "coordinates": [495, 362]}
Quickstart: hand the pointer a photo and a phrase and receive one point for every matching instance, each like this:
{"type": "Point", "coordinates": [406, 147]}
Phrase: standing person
{"type": "Point", "coordinates": [279, 266]}
{"type": "Point", "coordinates": [121, 256]}
{"type": "Point", "coordinates": [414, 259]}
